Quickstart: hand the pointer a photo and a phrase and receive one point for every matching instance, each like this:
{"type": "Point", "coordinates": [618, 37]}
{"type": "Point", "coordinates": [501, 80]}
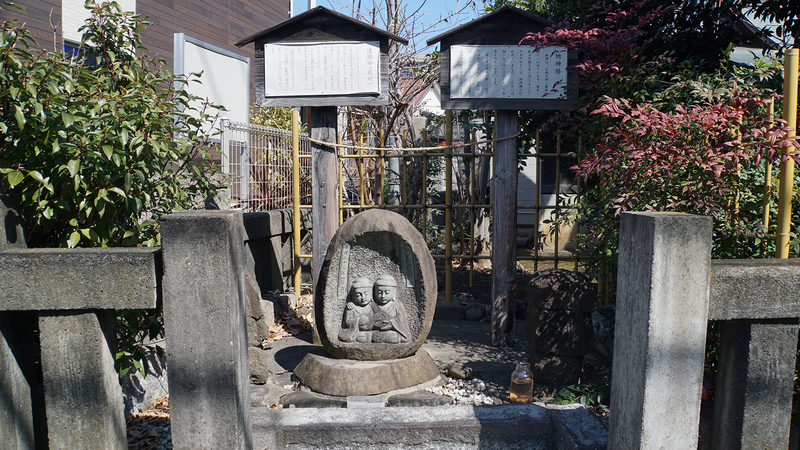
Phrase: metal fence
{"type": "Point", "coordinates": [446, 193]}
{"type": "Point", "coordinates": [260, 161]}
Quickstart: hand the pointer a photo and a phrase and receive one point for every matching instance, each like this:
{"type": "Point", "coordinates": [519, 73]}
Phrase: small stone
{"type": "Point", "coordinates": [259, 370]}
{"type": "Point", "coordinates": [459, 371]}
{"type": "Point", "coordinates": [475, 312]}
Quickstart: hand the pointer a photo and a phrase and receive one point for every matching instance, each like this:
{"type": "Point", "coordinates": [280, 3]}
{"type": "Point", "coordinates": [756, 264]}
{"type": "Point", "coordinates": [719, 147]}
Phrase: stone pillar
{"type": "Point", "coordinates": [754, 384]}
{"type": "Point", "coordinates": [18, 344]}
{"type": "Point", "coordinates": [204, 315]}
{"type": "Point", "coordinates": [83, 397]}
{"type": "Point", "coordinates": [659, 345]}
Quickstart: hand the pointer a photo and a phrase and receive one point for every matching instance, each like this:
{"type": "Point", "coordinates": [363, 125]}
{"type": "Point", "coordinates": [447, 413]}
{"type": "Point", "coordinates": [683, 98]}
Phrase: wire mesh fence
{"type": "Point", "coordinates": [260, 161]}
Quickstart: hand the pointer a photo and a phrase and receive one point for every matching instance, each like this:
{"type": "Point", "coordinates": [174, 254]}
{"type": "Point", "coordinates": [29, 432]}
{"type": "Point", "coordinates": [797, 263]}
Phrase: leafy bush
{"type": "Point", "coordinates": [661, 133]}
{"type": "Point", "coordinates": [698, 160]}
{"type": "Point", "coordinates": [99, 145]}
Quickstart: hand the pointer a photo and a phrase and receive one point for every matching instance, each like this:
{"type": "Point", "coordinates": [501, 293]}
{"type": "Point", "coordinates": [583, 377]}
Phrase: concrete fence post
{"type": "Point", "coordinates": [18, 344]}
{"type": "Point", "coordinates": [204, 315]}
{"type": "Point", "coordinates": [659, 344]}
{"type": "Point", "coordinates": [73, 300]}
{"type": "Point", "coordinates": [83, 396]}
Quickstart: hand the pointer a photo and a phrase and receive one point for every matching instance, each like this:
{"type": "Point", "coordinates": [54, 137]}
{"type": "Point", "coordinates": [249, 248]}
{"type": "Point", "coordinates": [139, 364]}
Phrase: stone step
{"type": "Point", "coordinates": [506, 427]}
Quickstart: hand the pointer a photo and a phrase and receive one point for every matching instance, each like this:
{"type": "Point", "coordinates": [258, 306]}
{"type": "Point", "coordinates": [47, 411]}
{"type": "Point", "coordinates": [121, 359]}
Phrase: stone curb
{"type": "Point", "coordinates": [517, 426]}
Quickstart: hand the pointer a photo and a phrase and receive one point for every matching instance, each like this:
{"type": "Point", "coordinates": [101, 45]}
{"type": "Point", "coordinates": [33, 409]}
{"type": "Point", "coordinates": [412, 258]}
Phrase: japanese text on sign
{"type": "Point", "coordinates": [508, 71]}
{"type": "Point", "coordinates": [322, 68]}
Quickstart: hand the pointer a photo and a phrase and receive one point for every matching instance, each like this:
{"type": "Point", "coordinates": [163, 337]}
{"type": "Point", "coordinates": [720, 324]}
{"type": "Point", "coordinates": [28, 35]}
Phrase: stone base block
{"type": "Point", "coordinates": [524, 426]}
{"type": "Point", "coordinates": [551, 369]}
{"type": "Point", "coordinates": [343, 377]}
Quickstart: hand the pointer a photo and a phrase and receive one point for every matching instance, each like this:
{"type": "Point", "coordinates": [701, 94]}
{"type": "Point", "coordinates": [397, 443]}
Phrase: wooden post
{"type": "Point", "coordinates": [324, 200]}
{"type": "Point", "coordinates": [504, 248]}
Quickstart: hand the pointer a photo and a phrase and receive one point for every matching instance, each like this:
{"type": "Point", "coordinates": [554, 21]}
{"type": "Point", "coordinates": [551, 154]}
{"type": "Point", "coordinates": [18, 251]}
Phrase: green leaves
{"type": "Point", "coordinates": [15, 178]}
{"type": "Point", "coordinates": [92, 150]}
{"type": "Point", "coordinates": [592, 393]}
{"type": "Point", "coordinates": [87, 147]}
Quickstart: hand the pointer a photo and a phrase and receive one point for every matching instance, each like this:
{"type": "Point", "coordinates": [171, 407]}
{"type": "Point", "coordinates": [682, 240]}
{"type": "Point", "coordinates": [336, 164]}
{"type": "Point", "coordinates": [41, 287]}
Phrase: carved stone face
{"type": "Point", "coordinates": [385, 293]}
{"type": "Point", "coordinates": [362, 295]}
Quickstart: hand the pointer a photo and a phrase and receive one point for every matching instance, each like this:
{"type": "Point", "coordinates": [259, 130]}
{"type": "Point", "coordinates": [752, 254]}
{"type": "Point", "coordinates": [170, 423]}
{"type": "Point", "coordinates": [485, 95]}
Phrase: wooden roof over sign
{"type": "Point", "coordinates": [298, 22]}
{"type": "Point", "coordinates": [492, 17]}
{"type": "Point", "coordinates": [322, 58]}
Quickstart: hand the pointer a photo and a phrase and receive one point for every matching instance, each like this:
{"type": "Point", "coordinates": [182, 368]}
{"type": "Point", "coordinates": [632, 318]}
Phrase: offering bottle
{"type": "Point", "coordinates": [521, 384]}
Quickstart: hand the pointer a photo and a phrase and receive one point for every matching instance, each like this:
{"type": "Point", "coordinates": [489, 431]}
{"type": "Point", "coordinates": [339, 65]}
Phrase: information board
{"type": "Point", "coordinates": [508, 71]}
{"type": "Point", "coordinates": [322, 68]}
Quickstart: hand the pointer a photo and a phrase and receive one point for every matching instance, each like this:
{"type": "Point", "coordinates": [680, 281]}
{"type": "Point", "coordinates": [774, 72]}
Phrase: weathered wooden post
{"type": "Point", "coordinates": [483, 67]}
{"type": "Point", "coordinates": [322, 59]}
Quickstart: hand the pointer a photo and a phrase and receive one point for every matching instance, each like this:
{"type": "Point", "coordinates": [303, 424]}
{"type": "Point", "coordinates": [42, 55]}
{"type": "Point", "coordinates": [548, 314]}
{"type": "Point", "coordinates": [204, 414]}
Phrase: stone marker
{"type": "Point", "coordinates": [559, 324]}
{"type": "Point", "coordinates": [659, 346]}
{"type": "Point", "coordinates": [373, 306]}
{"type": "Point", "coordinates": [84, 406]}
{"type": "Point", "coordinates": [204, 318]}
{"type": "Point", "coordinates": [17, 339]}
{"type": "Point", "coordinates": [377, 292]}
{"type": "Point", "coordinates": [756, 365]}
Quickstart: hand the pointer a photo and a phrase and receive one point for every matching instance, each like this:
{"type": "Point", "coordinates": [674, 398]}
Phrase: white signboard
{"type": "Point", "coordinates": [508, 71]}
{"type": "Point", "coordinates": [322, 68]}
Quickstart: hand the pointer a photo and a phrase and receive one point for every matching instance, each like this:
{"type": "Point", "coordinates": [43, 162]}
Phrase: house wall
{"type": "Point", "coordinates": [217, 22]}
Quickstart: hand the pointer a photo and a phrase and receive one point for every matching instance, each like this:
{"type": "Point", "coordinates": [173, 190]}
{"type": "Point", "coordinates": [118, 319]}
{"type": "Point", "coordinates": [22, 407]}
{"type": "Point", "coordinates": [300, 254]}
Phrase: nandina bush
{"type": "Point", "coordinates": [658, 133]}
{"type": "Point", "coordinates": [697, 160]}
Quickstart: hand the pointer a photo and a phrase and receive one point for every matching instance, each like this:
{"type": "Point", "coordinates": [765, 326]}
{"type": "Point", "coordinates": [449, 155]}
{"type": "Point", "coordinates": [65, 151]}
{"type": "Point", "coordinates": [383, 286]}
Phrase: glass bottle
{"type": "Point", "coordinates": [522, 384]}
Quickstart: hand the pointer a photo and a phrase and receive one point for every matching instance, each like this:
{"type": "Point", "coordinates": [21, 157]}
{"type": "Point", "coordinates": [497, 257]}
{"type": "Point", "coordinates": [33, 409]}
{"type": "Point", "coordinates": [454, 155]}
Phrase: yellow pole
{"type": "Point", "coordinates": [342, 192]}
{"type": "Point", "coordinates": [787, 168]}
{"type": "Point", "coordinates": [425, 183]}
{"type": "Point", "coordinates": [768, 178]}
{"type": "Point", "coordinates": [383, 162]}
{"type": "Point", "coordinates": [448, 203]}
{"type": "Point", "coordinates": [296, 196]}
{"type": "Point", "coordinates": [362, 185]}
{"type": "Point", "coordinates": [403, 194]}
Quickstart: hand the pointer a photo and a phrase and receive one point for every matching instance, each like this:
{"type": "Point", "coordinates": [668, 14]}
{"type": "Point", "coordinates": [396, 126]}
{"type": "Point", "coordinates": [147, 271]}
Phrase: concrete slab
{"type": "Point", "coordinates": [80, 279]}
{"type": "Point", "coordinates": [754, 289]}
{"type": "Point", "coordinates": [507, 427]}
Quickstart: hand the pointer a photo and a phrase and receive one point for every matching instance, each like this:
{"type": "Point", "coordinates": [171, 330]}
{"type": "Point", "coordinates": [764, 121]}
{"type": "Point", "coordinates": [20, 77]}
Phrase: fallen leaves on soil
{"type": "Point", "coordinates": [293, 322]}
{"type": "Point", "coordinates": [141, 426]}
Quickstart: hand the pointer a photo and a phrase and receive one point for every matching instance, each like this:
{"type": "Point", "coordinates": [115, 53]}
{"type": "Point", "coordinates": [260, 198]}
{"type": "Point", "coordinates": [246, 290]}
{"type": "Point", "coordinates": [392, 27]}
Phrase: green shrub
{"type": "Point", "coordinates": [99, 145]}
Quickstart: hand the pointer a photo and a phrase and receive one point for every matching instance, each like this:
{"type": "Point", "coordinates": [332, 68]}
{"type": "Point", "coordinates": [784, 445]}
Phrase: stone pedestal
{"type": "Point", "coordinates": [344, 377]}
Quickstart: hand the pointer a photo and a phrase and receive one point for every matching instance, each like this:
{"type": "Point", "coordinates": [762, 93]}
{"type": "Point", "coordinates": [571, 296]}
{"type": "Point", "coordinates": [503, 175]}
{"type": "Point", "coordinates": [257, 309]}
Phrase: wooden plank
{"type": "Point", "coordinates": [324, 199]}
{"type": "Point", "coordinates": [504, 244]}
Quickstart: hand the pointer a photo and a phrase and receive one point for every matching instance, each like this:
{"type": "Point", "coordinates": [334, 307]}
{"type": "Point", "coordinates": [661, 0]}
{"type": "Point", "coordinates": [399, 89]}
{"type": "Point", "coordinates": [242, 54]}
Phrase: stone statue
{"type": "Point", "coordinates": [357, 320]}
{"type": "Point", "coordinates": [390, 323]}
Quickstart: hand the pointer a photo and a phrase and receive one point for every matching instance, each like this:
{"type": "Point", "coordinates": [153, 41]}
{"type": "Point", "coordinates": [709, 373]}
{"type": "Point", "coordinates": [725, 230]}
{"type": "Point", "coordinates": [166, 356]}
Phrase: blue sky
{"type": "Point", "coordinates": [430, 13]}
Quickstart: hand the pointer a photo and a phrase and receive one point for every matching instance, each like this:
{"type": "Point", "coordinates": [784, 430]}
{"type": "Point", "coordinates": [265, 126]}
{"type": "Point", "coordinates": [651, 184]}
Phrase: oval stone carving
{"type": "Point", "coordinates": [376, 294]}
